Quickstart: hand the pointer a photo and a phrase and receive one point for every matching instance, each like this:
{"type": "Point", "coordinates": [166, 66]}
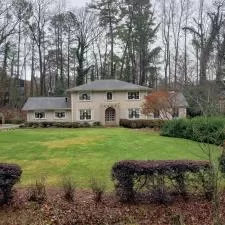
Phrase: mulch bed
{"type": "Point", "coordinates": [84, 211]}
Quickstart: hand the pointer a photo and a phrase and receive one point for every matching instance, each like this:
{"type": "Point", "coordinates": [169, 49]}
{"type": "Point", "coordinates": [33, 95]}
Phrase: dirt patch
{"type": "Point", "coordinates": [84, 211]}
{"type": "Point", "coordinates": [71, 141]}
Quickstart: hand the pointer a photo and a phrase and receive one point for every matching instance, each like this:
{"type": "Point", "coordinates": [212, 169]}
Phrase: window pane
{"type": "Point", "coordinates": [85, 114]}
{"type": "Point", "coordinates": [133, 95]}
{"type": "Point", "coordinates": [133, 113]}
{"type": "Point", "coordinates": [109, 95]}
{"type": "Point", "coordinates": [39, 115]}
{"type": "Point", "coordinates": [60, 114]}
{"type": "Point", "coordinates": [84, 96]}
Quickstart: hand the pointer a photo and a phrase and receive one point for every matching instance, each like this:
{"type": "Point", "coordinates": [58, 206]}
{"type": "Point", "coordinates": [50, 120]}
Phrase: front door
{"type": "Point", "coordinates": [110, 117]}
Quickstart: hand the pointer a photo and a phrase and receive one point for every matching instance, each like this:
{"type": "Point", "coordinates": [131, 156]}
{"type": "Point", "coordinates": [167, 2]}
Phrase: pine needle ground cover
{"type": "Point", "coordinates": [86, 153]}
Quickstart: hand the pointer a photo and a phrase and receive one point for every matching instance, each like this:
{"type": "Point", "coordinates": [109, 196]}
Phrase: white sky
{"type": "Point", "coordinates": [76, 3]}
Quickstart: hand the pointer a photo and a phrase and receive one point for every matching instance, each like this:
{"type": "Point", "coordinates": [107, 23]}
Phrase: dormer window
{"type": "Point", "coordinates": [109, 96]}
{"type": "Point", "coordinates": [133, 95]}
{"type": "Point", "coordinates": [85, 96]}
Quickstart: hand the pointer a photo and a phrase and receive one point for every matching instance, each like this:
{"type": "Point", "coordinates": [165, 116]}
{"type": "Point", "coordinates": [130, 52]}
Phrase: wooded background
{"type": "Point", "coordinates": [46, 48]}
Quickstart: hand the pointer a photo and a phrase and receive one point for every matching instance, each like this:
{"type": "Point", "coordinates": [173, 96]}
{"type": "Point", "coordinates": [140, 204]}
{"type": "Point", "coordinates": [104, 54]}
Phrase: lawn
{"type": "Point", "coordinates": [86, 153]}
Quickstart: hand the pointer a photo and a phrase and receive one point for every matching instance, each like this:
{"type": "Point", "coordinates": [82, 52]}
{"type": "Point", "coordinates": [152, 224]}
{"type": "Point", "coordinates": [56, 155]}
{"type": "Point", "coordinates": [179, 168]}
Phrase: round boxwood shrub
{"type": "Point", "coordinates": [9, 175]}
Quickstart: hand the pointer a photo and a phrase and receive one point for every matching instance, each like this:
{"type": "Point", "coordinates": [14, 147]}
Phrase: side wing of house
{"type": "Point", "coordinates": [49, 109]}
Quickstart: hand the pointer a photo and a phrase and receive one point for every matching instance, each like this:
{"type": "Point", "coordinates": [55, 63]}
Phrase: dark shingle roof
{"type": "Point", "coordinates": [109, 85]}
{"type": "Point", "coordinates": [46, 103]}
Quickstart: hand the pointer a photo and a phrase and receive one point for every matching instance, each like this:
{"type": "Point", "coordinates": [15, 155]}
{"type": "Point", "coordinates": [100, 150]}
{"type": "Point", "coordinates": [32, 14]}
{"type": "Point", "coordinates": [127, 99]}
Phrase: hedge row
{"type": "Point", "coordinates": [9, 175]}
{"type": "Point", "coordinates": [141, 123]}
{"type": "Point", "coordinates": [208, 130]}
{"type": "Point", "coordinates": [59, 124]}
{"type": "Point", "coordinates": [158, 176]}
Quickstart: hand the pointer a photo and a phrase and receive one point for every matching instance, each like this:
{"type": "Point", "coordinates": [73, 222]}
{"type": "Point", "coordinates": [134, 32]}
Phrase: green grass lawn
{"type": "Point", "coordinates": [86, 153]}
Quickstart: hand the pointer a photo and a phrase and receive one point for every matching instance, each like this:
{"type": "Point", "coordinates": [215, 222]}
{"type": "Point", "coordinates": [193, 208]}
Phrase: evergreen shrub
{"type": "Point", "coordinates": [9, 175]}
{"type": "Point", "coordinates": [202, 129]}
{"type": "Point", "coordinates": [141, 123]}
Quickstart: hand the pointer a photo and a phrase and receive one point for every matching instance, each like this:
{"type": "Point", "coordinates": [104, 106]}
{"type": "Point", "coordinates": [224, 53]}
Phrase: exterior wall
{"type": "Point", "coordinates": [182, 112]}
{"type": "Point", "coordinates": [49, 116]}
{"type": "Point", "coordinates": [99, 103]}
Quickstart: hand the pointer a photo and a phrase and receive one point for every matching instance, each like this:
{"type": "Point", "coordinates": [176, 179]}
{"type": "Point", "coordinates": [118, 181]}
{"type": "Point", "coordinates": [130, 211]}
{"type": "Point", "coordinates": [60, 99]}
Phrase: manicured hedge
{"type": "Point", "coordinates": [9, 175]}
{"type": "Point", "coordinates": [60, 124]}
{"type": "Point", "coordinates": [202, 129]}
{"type": "Point", "coordinates": [131, 176]}
{"type": "Point", "coordinates": [141, 123]}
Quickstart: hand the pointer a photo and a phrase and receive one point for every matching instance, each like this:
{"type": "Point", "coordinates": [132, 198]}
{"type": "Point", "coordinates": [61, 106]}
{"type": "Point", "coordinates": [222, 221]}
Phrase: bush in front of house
{"type": "Point", "coordinates": [159, 178]}
{"type": "Point", "coordinates": [9, 175]}
{"type": "Point", "coordinates": [202, 129]}
{"type": "Point", "coordinates": [97, 124]}
{"type": "Point", "coordinates": [46, 124]}
{"type": "Point", "coordinates": [142, 123]}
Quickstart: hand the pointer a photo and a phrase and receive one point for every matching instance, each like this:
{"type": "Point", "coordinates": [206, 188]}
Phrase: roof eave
{"type": "Point", "coordinates": [101, 90]}
{"type": "Point", "coordinates": [32, 109]}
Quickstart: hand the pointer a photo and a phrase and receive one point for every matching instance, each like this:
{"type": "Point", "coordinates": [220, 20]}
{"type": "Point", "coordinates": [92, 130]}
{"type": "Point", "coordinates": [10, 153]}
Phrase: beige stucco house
{"type": "Point", "coordinates": [106, 101]}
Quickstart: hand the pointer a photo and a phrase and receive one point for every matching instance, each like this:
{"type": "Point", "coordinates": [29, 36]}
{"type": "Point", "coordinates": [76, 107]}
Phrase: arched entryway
{"type": "Point", "coordinates": [110, 117]}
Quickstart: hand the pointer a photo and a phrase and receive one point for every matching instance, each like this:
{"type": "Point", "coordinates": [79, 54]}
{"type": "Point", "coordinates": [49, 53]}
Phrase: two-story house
{"type": "Point", "coordinates": [106, 101]}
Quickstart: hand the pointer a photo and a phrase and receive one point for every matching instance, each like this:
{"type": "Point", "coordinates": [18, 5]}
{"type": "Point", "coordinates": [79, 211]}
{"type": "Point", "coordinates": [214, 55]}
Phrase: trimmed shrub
{"type": "Point", "coordinates": [97, 124]}
{"type": "Point", "coordinates": [46, 124]}
{"type": "Point", "coordinates": [131, 176]}
{"type": "Point", "coordinates": [76, 125]}
{"type": "Point", "coordinates": [141, 123]}
{"type": "Point", "coordinates": [207, 130]}
{"type": "Point", "coordinates": [9, 175]}
{"type": "Point", "coordinates": [85, 124]}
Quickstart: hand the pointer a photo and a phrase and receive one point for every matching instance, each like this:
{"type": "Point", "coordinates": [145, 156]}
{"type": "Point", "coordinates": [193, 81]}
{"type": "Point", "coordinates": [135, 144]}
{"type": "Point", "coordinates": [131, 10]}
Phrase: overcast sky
{"type": "Point", "coordinates": [76, 3]}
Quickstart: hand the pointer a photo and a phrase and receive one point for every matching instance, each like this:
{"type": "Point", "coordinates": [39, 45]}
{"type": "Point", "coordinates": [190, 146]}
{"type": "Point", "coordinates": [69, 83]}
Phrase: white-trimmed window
{"type": "Point", "coordinates": [39, 115]}
{"type": "Point", "coordinates": [85, 96]}
{"type": "Point", "coordinates": [60, 115]}
{"type": "Point", "coordinates": [133, 113]}
{"type": "Point", "coordinates": [85, 114]}
{"type": "Point", "coordinates": [133, 95]}
{"type": "Point", "coordinates": [109, 95]}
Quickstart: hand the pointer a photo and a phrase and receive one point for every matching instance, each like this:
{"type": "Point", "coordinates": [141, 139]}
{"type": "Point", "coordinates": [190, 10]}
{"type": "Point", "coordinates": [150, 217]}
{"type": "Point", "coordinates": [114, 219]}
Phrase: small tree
{"type": "Point", "coordinates": [162, 103]}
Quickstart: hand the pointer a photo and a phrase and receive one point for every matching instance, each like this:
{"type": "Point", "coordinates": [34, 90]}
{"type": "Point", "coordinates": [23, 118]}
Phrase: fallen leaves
{"type": "Point", "coordinates": [84, 211]}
